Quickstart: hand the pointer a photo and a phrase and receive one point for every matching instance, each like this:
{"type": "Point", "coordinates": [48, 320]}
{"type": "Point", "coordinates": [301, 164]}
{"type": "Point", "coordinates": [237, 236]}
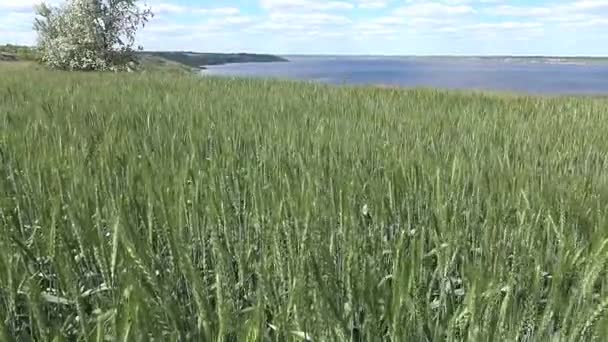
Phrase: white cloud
{"type": "Point", "coordinates": [579, 11]}
{"type": "Point", "coordinates": [590, 4]}
{"type": "Point", "coordinates": [20, 5]}
{"type": "Point", "coordinates": [308, 18]}
{"type": "Point", "coordinates": [327, 24]}
{"type": "Point", "coordinates": [372, 4]}
{"type": "Point", "coordinates": [431, 9]}
{"type": "Point", "coordinates": [171, 8]}
{"type": "Point", "coordinates": [591, 23]}
{"type": "Point", "coordinates": [304, 18]}
{"type": "Point", "coordinates": [421, 15]}
{"type": "Point", "coordinates": [509, 25]}
{"type": "Point", "coordinates": [17, 20]}
{"type": "Point", "coordinates": [17, 37]}
{"type": "Point", "coordinates": [214, 25]}
{"type": "Point", "coordinates": [304, 5]}
{"type": "Point", "coordinates": [520, 11]}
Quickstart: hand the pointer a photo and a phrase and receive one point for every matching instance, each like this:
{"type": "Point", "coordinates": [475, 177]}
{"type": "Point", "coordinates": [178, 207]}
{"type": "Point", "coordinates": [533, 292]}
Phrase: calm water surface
{"type": "Point", "coordinates": [533, 76]}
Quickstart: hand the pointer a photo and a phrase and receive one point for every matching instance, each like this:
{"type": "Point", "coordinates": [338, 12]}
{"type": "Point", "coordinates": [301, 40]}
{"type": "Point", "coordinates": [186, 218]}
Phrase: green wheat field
{"type": "Point", "coordinates": [164, 207]}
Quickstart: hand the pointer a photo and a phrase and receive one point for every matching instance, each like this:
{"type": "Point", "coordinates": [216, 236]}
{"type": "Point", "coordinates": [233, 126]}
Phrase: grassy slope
{"type": "Point", "coordinates": [159, 64]}
{"type": "Point", "coordinates": [142, 205]}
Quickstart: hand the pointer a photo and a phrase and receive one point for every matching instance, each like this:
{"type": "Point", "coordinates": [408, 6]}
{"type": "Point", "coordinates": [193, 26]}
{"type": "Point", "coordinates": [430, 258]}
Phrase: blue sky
{"type": "Point", "coordinates": [393, 27]}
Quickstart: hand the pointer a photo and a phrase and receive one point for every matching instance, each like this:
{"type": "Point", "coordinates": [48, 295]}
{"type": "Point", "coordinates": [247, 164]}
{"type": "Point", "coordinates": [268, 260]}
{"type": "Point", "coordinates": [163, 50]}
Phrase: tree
{"type": "Point", "coordinates": [89, 34]}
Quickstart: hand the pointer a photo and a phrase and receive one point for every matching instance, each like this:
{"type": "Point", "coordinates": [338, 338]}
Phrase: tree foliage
{"type": "Point", "coordinates": [89, 34]}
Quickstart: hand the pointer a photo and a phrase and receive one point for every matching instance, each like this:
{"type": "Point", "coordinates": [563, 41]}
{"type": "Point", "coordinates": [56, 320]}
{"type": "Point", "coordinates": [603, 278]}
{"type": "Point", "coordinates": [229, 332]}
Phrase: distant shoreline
{"type": "Point", "coordinates": [581, 60]}
{"type": "Point", "coordinates": [449, 56]}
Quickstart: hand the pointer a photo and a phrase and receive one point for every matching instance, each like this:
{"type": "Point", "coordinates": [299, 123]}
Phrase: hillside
{"type": "Point", "coordinates": [198, 60]}
{"type": "Point", "coordinates": [14, 53]}
{"type": "Point", "coordinates": [172, 60]}
{"type": "Point", "coordinates": [147, 206]}
{"type": "Point", "coordinates": [6, 57]}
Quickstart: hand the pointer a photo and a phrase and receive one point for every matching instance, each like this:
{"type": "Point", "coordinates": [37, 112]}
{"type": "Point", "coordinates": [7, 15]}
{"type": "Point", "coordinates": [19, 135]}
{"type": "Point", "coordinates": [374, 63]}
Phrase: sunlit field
{"type": "Point", "coordinates": [141, 207]}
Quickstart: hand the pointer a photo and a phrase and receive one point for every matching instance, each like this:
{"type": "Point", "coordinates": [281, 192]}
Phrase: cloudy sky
{"type": "Point", "coordinates": [395, 27]}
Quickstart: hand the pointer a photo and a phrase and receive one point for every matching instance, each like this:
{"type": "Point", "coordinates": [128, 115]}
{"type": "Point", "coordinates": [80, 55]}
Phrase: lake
{"type": "Point", "coordinates": [528, 75]}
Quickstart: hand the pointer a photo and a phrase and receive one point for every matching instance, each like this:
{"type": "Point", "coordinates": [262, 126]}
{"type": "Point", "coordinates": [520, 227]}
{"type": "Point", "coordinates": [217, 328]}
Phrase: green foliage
{"type": "Point", "coordinates": [142, 207]}
{"type": "Point", "coordinates": [89, 34]}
